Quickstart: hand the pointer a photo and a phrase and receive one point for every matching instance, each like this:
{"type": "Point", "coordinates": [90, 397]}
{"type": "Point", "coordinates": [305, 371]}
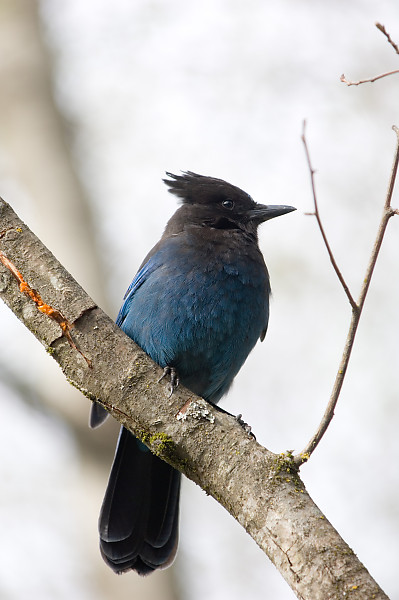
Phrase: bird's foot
{"type": "Point", "coordinates": [247, 428]}
{"type": "Point", "coordinates": [174, 379]}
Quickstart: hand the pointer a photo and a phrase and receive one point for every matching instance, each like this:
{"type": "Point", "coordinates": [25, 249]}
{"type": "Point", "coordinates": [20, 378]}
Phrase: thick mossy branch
{"type": "Point", "coordinates": [263, 491]}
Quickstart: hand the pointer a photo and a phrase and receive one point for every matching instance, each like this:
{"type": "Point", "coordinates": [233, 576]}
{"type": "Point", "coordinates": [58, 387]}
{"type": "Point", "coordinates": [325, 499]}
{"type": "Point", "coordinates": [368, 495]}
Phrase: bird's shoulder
{"type": "Point", "coordinates": [199, 255]}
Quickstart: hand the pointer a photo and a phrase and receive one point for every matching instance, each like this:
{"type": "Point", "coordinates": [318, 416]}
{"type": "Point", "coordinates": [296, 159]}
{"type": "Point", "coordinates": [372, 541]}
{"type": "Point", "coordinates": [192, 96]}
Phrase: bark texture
{"type": "Point", "coordinates": [262, 490]}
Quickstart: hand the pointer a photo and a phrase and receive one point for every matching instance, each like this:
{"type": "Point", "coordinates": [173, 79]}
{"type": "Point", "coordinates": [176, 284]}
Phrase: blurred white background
{"type": "Point", "coordinates": [221, 88]}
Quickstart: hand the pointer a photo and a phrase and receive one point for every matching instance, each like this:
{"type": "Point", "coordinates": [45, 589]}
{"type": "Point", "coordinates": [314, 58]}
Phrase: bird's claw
{"type": "Point", "coordinates": [174, 379]}
{"type": "Point", "coordinates": [247, 428]}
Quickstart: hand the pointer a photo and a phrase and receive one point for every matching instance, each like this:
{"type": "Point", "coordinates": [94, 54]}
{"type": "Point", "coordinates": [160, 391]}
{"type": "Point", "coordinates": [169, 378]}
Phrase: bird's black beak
{"type": "Point", "coordinates": [264, 212]}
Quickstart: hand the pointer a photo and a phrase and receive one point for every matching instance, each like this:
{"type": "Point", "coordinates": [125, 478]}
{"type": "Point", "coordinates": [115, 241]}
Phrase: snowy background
{"type": "Point", "coordinates": [221, 88]}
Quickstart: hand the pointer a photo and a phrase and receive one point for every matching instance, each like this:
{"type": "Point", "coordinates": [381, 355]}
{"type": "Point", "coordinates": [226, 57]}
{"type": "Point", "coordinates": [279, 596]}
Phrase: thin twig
{"type": "Point", "coordinates": [384, 31]}
{"type": "Point", "coordinates": [388, 212]}
{"type": "Point", "coordinates": [370, 80]}
{"type": "Point", "coordinates": [317, 215]}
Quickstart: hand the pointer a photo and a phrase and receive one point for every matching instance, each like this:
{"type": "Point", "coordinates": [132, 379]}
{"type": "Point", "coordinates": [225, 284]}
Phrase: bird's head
{"type": "Point", "coordinates": [212, 202]}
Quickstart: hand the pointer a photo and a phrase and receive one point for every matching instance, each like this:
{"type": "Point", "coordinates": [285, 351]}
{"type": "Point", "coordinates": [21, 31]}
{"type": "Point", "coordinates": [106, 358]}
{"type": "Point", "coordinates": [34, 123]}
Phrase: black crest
{"type": "Point", "coordinates": [200, 189]}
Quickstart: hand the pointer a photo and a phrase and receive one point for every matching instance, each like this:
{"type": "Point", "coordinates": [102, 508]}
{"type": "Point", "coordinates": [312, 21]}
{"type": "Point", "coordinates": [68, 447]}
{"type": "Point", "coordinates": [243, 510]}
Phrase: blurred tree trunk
{"type": "Point", "coordinates": [34, 141]}
{"type": "Point", "coordinates": [36, 164]}
{"type": "Point", "coordinates": [38, 177]}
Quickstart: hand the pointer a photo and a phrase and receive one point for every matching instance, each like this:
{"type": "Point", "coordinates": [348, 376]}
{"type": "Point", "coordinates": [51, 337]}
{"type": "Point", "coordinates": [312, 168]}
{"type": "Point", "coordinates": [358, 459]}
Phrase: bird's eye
{"type": "Point", "coordinates": [228, 204]}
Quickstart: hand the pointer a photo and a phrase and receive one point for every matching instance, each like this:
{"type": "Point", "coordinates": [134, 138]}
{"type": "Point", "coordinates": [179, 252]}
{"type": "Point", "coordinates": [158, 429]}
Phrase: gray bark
{"type": "Point", "coordinates": [262, 490]}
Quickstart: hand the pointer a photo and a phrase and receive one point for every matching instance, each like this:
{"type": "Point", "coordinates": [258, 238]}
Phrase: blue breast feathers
{"type": "Point", "coordinates": [197, 313]}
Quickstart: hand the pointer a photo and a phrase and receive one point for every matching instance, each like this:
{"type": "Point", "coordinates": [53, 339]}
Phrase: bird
{"type": "Point", "coordinates": [197, 306]}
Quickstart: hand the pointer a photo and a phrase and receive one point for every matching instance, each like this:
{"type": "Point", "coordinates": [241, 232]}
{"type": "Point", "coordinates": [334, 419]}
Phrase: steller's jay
{"type": "Point", "coordinates": [198, 304]}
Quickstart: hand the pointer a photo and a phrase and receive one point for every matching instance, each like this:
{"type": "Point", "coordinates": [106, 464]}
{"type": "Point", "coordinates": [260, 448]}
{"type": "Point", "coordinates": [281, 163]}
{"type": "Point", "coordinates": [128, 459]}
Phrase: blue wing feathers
{"type": "Point", "coordinates": [138, 280]}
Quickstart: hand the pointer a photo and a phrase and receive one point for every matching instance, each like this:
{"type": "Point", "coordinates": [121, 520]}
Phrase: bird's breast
{"type": "Point", "coordinates": [202, 310]}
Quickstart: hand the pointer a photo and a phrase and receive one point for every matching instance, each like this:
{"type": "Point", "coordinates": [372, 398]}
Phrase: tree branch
{"type": "Point", "coordinates": [390, 40]}
{"type": "Point", "coordinates": [260, 489]}
{"type": "Point", "coordinates": [370, 80]}
{"type": "Point", "coordinates": [376, 77]}
{"type": "Point", "coordinates": [320, 224]}
{"type": "Point", "coordinates": [357, 308]}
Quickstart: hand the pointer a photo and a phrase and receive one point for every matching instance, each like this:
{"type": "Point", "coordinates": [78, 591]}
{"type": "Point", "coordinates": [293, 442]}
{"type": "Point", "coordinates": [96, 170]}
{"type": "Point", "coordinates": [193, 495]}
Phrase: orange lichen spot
{"type": "Point", "coordinates": [44, 308]}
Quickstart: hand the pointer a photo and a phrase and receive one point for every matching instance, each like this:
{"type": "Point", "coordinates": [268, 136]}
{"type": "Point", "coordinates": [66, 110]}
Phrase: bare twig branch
{"type": "Point", "coordinates": [388, 212]}
{"type": "Point", "coordinates": [317, 215]}
{"type": "Point", "coordinates": [371, 80]}
{"type": "Point", "coordinates": [384, 31]}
